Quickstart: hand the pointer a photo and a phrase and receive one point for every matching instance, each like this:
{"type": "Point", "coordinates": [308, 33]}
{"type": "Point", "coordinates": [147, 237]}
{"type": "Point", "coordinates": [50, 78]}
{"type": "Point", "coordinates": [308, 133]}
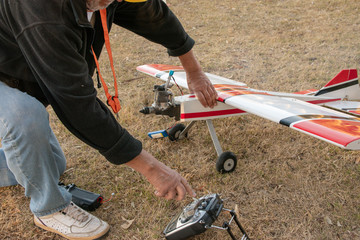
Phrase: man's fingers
{"type": "Point", "coordinates": [204, 98]}
{"type": "Point", "coordinates": [215, 96]}
{"type": "Point", "coordinates": [201, 98]}
{"type": "Point", "coordinates": [160, 194]}
{"type": "Point", "coordinates": [212, 96]}
{"type": "Point", "coordinates": [170, 195]}
{"type": "Point", "coordinates": [181, 192]}
{"type": "Point", "coordinates": [188, 188]}
{"type": "Point", "coordinates": [207, 97]}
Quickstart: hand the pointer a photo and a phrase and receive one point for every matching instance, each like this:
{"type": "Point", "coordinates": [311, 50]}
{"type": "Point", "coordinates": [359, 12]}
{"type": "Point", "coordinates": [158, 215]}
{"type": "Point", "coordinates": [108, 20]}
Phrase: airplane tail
{"type": "Point", "coordinates": [345, 85]}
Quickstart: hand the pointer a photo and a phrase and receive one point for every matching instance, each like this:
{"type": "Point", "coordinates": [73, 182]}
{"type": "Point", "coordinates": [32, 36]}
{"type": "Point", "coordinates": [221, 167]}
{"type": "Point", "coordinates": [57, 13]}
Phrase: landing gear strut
{"type": "Point", "coordinates": [226, 161]}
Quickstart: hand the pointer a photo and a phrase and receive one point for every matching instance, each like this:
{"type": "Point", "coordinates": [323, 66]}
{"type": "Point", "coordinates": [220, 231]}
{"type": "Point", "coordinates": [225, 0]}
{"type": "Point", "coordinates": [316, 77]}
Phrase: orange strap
{"type": "Point", "coordinates": [112, 101]}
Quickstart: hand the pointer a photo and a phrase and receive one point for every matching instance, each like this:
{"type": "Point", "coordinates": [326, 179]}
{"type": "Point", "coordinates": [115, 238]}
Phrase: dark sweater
{"type": "Point", "coordinates": [45, 51]}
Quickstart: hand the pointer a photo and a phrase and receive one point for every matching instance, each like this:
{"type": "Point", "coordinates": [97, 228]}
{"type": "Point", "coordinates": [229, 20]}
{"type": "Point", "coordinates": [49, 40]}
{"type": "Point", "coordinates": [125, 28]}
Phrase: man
{"type": "Point", "coordinates": [45, 58]}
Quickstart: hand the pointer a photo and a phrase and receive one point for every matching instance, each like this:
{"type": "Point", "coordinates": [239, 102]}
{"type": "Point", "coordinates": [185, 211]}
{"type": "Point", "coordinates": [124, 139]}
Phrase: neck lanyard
{"type": "Point", "coordinates": [112, 101]}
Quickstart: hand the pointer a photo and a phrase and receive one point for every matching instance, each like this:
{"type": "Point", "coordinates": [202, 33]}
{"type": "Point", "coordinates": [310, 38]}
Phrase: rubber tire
{"type": "Point", "coordinates": [175, 131]}
{"type": "Point", "coordinates": [226, 162]}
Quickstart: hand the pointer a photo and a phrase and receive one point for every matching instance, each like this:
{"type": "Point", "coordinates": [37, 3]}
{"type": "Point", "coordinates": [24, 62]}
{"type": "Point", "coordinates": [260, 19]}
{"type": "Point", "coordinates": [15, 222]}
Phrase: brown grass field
{"type": "Point", "coordinates": [287, 185]}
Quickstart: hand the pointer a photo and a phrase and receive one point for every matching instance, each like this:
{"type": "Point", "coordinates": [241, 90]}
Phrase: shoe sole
{"type": "Point", "coordinates": [98, 236]}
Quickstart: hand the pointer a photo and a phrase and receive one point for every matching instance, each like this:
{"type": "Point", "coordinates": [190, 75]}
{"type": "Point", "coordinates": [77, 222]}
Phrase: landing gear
{"type": "Point", "coordinates": [179, 131]}
{"type": "Point", "coordinates": [165, 104]}
{"type": "Point", "coordinates": [226, 162]}
{"type": "Point", "coordinates": [175, 132]}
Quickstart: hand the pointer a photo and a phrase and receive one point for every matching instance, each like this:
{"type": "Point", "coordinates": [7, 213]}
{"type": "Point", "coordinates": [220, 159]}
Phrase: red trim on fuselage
{"type": "Point", "coordinates": [210, 113]}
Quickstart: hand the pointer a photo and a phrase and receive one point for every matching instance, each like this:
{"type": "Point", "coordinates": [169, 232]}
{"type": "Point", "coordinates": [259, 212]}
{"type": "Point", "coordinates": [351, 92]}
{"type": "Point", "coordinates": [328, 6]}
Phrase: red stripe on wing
{"type": "Point", "coordinates": [164, 67]}
{"type": "Point", "coordinates": [153, 69]}
{"type": "Point", "coordinates": [227, 90]}
{"type": "Point", "coordinates": [339, 131]}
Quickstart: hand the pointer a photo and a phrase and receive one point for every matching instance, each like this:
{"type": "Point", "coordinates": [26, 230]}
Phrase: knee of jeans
{"type": "Point", "coordinates": [28, 119]}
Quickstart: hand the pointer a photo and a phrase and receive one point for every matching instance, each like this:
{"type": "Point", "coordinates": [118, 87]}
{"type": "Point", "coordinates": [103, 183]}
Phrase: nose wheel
{"type": "Point", "coordinates": [175, 132]}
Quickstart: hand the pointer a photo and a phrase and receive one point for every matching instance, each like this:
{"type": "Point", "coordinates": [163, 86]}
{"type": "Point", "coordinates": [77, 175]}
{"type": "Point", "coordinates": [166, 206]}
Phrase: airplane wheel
{"type": "Point", "coordinates": [175, 131]}
{"type": "Point", "coordinates": [226, 162]}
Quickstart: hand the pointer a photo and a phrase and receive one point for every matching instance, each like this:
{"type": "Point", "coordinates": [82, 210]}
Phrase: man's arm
{"type": "Point", "coordinates": [198, 82]}
{"type": "Point", "coordinates": [167, 182]}
{"type": "Point", "coordinates": [153, 20]}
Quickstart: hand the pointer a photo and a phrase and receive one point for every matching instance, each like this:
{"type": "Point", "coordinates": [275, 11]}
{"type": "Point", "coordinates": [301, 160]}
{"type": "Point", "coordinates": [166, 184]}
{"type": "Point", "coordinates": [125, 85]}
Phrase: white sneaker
{"type": "Point", "coordinates": [73, 223]}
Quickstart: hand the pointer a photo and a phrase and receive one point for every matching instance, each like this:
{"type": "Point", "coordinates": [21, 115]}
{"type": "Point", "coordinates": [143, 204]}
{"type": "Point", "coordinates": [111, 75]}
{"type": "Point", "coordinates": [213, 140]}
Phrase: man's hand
{"type": "Point", "coordinates": [198, 82]}
{"type": "Point", "coordinates": [167, 182]}
{"type": "Point", "coordinates": [200, 85]}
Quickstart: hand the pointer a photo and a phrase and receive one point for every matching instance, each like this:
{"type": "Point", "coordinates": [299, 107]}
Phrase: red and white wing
{"type": "Point", "coordinates": [161, 71]}
{"type": "Point", "coordinates": [155, 69]}
{"type": "Point", "coordinates": [326, 124]}
{"type": "Point", "coordinates": [296, 111]}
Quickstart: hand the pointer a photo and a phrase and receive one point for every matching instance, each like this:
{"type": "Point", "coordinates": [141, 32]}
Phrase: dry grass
{"type": "Point", "coordinates": [287, 185]}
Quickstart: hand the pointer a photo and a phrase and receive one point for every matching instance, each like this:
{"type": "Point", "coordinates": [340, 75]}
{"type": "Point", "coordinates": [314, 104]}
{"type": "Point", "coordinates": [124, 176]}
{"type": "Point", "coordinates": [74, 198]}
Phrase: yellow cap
{"type": "Point", "coordinates": [135, 1]}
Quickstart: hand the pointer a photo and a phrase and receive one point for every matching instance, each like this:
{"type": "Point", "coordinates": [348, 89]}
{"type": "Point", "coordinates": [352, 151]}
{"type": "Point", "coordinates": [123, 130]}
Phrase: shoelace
{"type": "Point", "coordinates": [75, 212]}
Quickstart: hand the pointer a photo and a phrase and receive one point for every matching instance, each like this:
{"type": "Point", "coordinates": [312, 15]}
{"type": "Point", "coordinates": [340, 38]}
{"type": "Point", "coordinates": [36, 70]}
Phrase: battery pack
{"type": "Point", "coordinates": [158, 134]}
{"type": "Point", "coordinates": [88, 201]}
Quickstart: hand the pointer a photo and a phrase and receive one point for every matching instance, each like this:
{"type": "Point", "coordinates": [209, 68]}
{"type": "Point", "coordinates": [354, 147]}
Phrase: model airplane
{"type": "Point", "coordinates": [331, 114]}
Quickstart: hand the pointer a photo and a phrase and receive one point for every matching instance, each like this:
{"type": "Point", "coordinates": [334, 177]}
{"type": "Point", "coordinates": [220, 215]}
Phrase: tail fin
{"type": "Point", "coordinates": [345, 85]}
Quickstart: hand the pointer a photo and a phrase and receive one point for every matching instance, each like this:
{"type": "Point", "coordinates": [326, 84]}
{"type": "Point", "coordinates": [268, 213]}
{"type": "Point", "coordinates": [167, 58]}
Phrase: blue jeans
{"type": "Point", "coordinates": [7, 178]}
{"type": "Point", "coordinates": [31, 152]}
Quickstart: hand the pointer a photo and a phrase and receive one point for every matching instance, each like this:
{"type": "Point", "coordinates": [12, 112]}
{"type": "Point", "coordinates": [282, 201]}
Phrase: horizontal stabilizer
{"type": "Point", "coordinates": [351, 107]}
